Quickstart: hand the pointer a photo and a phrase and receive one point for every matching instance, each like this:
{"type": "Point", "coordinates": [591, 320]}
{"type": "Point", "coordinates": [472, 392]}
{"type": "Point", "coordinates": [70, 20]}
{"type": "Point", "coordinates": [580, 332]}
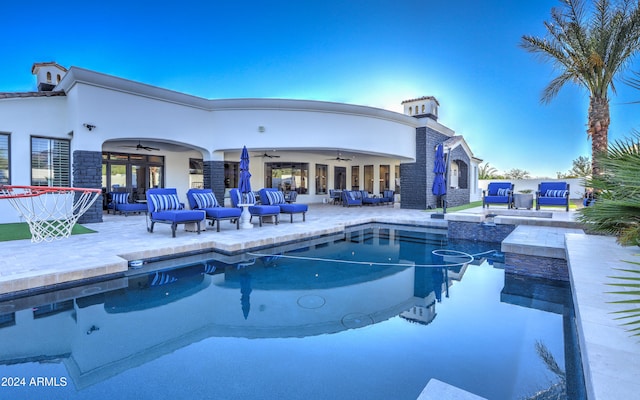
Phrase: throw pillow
{"type": "Point", "coordinates": [163, 202]}
{"type": "Point", "coordinates": [205, 200]}
{"type": "Point", "coordinates": [120, 198]}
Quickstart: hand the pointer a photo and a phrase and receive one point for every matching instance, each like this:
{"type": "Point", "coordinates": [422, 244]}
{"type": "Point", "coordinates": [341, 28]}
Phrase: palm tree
{"type": "Point", "coordinates": [487, 172]}
{"type": "Point", "coordinates": [589, 52]}
{"type": "Point", "coordinates": [617, 208]}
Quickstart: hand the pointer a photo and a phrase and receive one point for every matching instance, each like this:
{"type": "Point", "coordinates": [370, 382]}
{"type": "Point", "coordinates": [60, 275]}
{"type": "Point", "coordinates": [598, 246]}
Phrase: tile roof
{"type": "Point", "coordinates": [422, 98]}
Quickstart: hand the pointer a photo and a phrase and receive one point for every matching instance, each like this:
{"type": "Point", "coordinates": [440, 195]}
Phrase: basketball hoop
{"type": "Point", "coordinates": [50, 212]}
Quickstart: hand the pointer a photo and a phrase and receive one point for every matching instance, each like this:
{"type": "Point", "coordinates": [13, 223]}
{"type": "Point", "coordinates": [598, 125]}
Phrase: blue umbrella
{"type": "Point", "coordinates": [439, 168]}
{"type": "Point", "coordinates": [244, 186]}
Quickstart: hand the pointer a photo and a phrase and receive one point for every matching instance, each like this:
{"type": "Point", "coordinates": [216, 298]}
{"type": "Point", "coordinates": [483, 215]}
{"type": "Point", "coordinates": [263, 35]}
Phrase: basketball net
{"type": "Point", "coordinates": [50, 212]}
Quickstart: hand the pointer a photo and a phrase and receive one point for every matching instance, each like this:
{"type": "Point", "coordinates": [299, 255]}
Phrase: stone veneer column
{"type": "Point", "coordinates": [87, 173]}
{"type": "Point", "coordinates": [214, 178]}
{"type": "Point", "coordinates": [416, 178]}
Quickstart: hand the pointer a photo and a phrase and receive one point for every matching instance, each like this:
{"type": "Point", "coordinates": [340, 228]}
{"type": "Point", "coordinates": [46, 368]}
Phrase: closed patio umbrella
{"type": "Point", "coordinates": [244, 185]}
{"type": "Point", "coordinates": [439, 168]}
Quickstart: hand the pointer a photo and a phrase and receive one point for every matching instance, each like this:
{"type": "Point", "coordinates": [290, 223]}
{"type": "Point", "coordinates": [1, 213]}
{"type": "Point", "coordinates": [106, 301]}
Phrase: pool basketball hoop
{"type": "Point", "coordinates": [51, 212]}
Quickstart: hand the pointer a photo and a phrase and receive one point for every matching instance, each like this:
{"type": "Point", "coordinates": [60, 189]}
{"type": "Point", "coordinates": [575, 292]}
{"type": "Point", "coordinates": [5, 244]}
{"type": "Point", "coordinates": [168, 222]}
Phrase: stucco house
{"type": "Point", "coordinates": [88, 129]}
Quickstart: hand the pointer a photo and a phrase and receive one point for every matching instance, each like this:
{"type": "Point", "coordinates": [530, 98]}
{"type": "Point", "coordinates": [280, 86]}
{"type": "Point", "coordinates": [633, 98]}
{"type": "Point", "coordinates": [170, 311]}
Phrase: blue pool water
{"type": "Point", "coordinates": [360, 315]}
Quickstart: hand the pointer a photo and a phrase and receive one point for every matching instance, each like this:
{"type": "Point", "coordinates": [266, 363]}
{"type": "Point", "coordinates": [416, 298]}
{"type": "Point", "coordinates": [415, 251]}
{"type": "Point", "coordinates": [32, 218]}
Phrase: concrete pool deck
{"type": "Point", "coordinates": [609, 352]}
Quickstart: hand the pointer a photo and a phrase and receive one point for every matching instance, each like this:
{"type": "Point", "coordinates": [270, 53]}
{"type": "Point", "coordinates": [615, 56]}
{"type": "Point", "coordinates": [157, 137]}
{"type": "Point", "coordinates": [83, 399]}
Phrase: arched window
{"type": "Point", "coordinates": [410, 110]}
{"type": "Point", "coordinates": [58, 78]}
{"type": "Point", "coordinates": [48, 76]}
{"type": "Point", "coordinates": [423, 109]}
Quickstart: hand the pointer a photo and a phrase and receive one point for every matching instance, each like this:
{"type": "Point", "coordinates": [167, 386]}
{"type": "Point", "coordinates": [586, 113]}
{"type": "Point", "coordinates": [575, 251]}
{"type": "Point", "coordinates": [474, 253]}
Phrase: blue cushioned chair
{"type": "Point", "coordinates": [387, 197]}
{"type": "Point", "coordinates": [119, 203]}
{"type": "Point", "coordinates": [165, 207]}
{"type": "Point", "coordinates": [552, 194]}
{"type": "Point", "coordinates": [364, 195]}
{"type": "Point", "coordinates": [205, 200]}
{"type": "Point", "coordinates": [351, 198]}
{"type": "Point", "coordinates": [260, 211]}
{"type": "Point", "coordinates": [275, 197]}
{"type": "Point", "coordinates": [498, 193]}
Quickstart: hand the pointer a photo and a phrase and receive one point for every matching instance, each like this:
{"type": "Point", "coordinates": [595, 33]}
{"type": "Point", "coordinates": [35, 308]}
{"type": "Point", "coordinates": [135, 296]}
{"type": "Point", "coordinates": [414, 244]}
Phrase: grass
{"type": "Point", "coordinates": [458, 208]}
{"type": "Point", "coordinates": [20, 231]}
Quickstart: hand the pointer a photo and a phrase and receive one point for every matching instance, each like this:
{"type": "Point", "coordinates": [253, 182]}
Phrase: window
{"type": "Point", "coordinates": [48, 76]}
{"type": "Point", "coordinates": [368, 178]}
{"type": "Point", "coordinates": [196, 173]}
{"type": "Point", "coordinates": [5, 176]}
{"type": "Point", "coordinates": [287, 176]}
{"type": "Point", "coordinates": [231, 174]}
{"type": "Point", "coordinates": [384, 177]}
{"type": "Point", "coordinates": [50, 162]}
{"type": "Point", "coordinates": [58, 78]}
{"type": "Point", "coordinates": [355, 177]}
{"type": "Point", "coordinates": [321, 178]}
{"type": "Point", "coordinates": [340, 178]}
{"type": "Point", "coordinates": [132, 173]}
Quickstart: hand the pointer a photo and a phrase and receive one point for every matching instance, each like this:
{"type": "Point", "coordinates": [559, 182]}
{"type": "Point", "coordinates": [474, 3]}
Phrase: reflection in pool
{"type": "Point", "coordinates": [375, 322]}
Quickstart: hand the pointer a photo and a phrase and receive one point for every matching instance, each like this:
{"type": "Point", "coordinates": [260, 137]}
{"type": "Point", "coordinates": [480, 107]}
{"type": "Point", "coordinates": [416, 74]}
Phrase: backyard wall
{"type": "Point", "coordinates": [576, 185]}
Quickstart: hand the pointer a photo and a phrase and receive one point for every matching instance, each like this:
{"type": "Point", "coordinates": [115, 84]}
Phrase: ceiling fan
{"type": "Point", "coordinates": [339, 158]}
{"type": "Point", "coordinates": [266, 155]}
{"type": "Point", "coordinates": [140, 146]}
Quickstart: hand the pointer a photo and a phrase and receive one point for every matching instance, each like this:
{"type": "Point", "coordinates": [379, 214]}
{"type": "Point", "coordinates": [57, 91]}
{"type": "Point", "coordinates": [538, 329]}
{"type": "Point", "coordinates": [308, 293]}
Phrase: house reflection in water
{"type": "Point", "coordinates": [102, 330]}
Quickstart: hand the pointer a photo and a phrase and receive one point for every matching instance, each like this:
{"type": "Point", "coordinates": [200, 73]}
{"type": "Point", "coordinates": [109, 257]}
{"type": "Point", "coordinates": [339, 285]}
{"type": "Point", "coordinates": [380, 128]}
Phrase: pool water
{"type": "Point", "coordinates": [360, 315]}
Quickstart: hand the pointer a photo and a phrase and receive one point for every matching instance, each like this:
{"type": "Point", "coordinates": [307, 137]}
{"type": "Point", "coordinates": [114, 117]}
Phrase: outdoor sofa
{"type": "Point", "coordinates": [205, 200]}
{"type": "Point", "coordinates": [351, 198]}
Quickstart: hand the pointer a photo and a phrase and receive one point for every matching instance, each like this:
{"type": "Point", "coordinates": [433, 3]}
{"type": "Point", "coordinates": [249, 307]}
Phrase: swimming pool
{"type": "Point", "coordinates": [356, 315]}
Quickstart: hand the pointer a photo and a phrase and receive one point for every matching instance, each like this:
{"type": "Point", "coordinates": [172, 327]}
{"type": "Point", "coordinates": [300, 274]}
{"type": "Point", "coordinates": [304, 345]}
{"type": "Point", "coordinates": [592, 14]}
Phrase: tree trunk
{"type": "Point", "coordinates": [598, 130]}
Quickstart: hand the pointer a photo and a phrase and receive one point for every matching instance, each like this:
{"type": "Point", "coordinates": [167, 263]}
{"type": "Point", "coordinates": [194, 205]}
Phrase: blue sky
{"type": "Point", "coordinates": [369, 52]}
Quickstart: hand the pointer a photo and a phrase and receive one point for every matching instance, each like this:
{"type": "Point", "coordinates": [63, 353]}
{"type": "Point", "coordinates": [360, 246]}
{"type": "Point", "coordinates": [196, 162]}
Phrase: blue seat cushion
{"type": "Point", "coordinates": [557, 201]}
{"type": "Point", "coordinates": [264, 210]}
{"type": "Point", "coordinates": [222, 212]}
{"type": "Point", "coordinates": [179, 215]}
{"type": "Point", "coordinates": [293, 208]}
{"type": "Point", "coordinates": [131, 207]}
{"type": "Point", "coordinates": [496, 199]}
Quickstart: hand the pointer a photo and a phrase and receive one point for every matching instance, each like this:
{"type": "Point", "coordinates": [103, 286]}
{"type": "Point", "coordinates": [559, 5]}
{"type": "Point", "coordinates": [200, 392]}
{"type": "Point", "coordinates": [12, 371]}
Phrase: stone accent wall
{"type": "Point", "coordinates": [416, 179]}
{"type": "Point", "coordinates": [540, 267]}
{"type": "Point", "coordinates": [87, 173]}
{"type": "Point", "coordinates": [214, 178]}
{"type": "Point", "coordinates": [479, 232]}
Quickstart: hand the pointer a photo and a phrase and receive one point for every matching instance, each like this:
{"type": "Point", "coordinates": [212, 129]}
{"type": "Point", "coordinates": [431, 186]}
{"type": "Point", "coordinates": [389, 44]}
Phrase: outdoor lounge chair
{"type": "Point", "coordinates": [552, 194]}
{"type": "Point", "coordinates": [387, 197]}
{"type": "Point", "coordinates": [351, 198]}
{"type": "Point", "coordinates": [205, 200]}
{"type": "Point", "coordinates": [260, 211]}
{"type": "Point", "coordinates": [369, 200]}
{"type": "Point", "coordinates": [165, 207]}
{"type": "Point", "coordinates": [119, 203]}
{"type": "Point", "coordinates": [275, 197]}
{"type": "Point", "coordinates": [498, 193]}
